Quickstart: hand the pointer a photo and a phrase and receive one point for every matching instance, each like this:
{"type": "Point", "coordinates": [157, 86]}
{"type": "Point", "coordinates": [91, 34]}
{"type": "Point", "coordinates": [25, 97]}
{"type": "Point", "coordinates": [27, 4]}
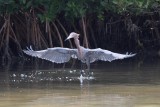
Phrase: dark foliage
{"type": "Point", "coordinates": [117, 25]}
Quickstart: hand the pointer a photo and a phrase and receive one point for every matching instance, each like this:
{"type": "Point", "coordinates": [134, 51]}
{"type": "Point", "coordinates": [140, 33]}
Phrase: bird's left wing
{"type": "Point", "coordinates": [105, 55]}
{"type": "Point", "coordinates": [56, 55]}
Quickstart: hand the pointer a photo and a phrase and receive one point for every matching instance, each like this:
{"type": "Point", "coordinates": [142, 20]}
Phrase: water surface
{"type": "Point", "coordinates": [123, 83]}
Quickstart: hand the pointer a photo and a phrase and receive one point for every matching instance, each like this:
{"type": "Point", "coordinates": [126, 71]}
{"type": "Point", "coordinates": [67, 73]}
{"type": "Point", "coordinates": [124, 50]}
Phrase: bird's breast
{"type": "Point", "coordinates": [82, 57]}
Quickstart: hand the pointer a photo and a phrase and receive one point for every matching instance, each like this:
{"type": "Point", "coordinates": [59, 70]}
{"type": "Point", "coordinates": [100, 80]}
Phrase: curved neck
{"type": "Point", "coordinates": [78, 47]}
{"type": "Point", "coordinates": [76, 41]}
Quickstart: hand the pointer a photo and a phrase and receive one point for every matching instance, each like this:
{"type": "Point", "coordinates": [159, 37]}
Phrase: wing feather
{"type": "Point", "coordinates": [56, 55]}
{"type": "Point", "coordinates": [105, 55]}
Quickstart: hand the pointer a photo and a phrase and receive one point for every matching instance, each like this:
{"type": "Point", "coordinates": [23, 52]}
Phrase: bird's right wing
{"type": "Point", "coordinates": [105, 55]}
{"type": "Point", "coordinates": [56, 55]}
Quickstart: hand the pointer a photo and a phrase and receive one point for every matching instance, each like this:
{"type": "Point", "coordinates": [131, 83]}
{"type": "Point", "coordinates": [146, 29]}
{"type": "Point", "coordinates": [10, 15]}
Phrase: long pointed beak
{"type": "Point", "coordinates": [66, 39]}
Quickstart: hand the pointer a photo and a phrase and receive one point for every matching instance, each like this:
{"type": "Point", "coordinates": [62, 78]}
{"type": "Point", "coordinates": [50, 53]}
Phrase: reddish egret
{"type": "Point", "coordinates": [62, 55]}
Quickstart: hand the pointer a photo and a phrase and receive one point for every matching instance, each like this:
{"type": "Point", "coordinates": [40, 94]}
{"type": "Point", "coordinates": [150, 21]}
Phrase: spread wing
{"type": "Point", "coordinates": [56, 55]}
{"type": "Point", "coordinates": [105, 55]}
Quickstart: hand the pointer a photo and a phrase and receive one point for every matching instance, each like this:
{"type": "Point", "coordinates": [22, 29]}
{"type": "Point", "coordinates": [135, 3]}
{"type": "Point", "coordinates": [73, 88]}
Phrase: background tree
{"type": "Point", "coordinates": [117, 25]}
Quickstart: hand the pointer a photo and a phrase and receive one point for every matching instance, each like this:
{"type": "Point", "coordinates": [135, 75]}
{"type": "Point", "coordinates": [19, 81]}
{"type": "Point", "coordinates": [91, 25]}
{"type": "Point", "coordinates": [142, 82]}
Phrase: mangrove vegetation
{"type": "Point", "coordinates": [117, 25]}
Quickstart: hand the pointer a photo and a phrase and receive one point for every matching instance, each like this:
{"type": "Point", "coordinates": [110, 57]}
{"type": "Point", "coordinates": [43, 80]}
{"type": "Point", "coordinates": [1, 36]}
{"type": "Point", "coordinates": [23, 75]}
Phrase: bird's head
{"type": "Point", "coordinates": [73, 35]}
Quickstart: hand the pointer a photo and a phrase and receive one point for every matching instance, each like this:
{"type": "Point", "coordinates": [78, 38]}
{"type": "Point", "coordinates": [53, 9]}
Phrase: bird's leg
{"type": "Point", "coordinates": [81, 68]}
{"type": "Point", "coordinates": [88, 65]}
{"type": "Point", "coordinates": [89, 70]}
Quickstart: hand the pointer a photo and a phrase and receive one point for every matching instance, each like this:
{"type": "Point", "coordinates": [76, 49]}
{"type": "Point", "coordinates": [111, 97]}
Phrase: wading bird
{"type": "Point", "coordinates": [62, 55]}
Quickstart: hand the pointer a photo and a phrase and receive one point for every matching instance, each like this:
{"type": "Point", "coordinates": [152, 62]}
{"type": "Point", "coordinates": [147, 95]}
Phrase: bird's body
{"type": "Point", "coordinates": [62, 55]}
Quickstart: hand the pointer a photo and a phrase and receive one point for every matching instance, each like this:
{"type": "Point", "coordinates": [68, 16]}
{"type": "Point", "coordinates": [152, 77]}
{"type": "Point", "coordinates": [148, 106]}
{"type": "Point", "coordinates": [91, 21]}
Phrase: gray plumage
{"type": "Point", "coordinates": [62, 55]}
{"type": "Point", "coordinates": [56, 55]}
